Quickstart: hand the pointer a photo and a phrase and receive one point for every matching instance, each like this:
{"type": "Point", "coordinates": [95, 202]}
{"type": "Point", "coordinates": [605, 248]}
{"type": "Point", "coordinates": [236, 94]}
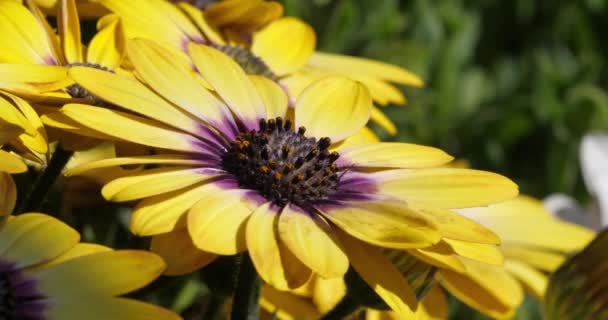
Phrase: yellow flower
{"type": "Point", "coordinates": [22, 135]}
{"type": "Point", "coordinates": [534, 242]}
{"type": "Point", "coordinates": [86, 8]}
{"type": "Point", "coordinates": [34, 59]}
{"type": "Point", "coordinates": [236, 170]}
{"type": "Point", "coordinates": [283, 51]}
{"type": "Point", "coordinates": [46, 274]}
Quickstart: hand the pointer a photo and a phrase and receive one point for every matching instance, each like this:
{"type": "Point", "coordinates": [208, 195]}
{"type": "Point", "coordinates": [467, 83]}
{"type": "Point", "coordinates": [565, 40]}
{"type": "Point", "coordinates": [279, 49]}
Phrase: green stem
{"type": "Point", "coordinates": [247, 295]}
{"type": "Point", "coordinates": [45, 181]}
{"type": "Point", "coordinates": [343, 309]}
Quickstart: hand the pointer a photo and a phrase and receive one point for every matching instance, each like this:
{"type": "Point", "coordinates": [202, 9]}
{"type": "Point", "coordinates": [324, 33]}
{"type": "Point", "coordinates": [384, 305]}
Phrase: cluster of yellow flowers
{"type": "Point", "coordinates": [231, 135]}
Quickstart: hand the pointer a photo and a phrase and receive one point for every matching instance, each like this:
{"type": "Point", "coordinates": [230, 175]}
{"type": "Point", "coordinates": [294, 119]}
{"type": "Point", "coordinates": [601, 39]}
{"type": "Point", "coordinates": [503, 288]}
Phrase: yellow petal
{"type": "Point", "coordinates": [179, 252]}
{"type": "Point", "coordinates": [160, 214]}
{"type": "Point", "coordinates": [361, 66]}
{"type": "Point", "coordinates": [327, 293]}
{"type": "Point", "coordinates": [128, 93]}
{"type": "Point", "coordinates": [36, 139]}
{"type": "Point", "coordinates": [486, 253]}
{"type": "Point", "coordinates": [104, 273]}
{"type": "Point", "coordinates": [243, 15]}
{"type": "Point", "coordinates": [446, 187]}
{"type": "Point", "coordinates": [23, 39]}
{"type": "Point", "coordinates": [165, 159]}
{"type": "Point", "coordinates": [107, 46]}
{"type": "Point", "coordinates": [158, 68]}
{"type": "Point", "coordinates": [440, 255]}
{"type": "Point", "coordinates": [273, 261]}
{"type": "Point", "coordinates": [333, 107]}
{"type": "Point", "coordinates": [79, 250]}
{"type": "Point", "coordinates": [103, 308]}
{"type": "Point", "coordinates": [434, 306]}
{"type": "Point", "coordinates": [381, 276]}
{"type": "Point", "coordinates": [273, 96]}
{"type": "Point", "coordinates": [382, 92]}
{"type": "Point", "coordinates": [489, 289]}
{"type": "Point", "coordinates": [197, 16]}
{"type": "Point", "coordinates": [287, 306]}
{"type": "Point", "coordinates": [388, 224]}
{"type": "Point", "coordinates": [391, 155]}
{"type": "Point", "coordinates": [69, 31]}
{"type": "Point", "coordinates": [284, 57]}
{"type": "Point", "coordinates": [33, 238]}
{"type": "Point", "coordinates": [10, 163]}
{"type": "Point", "coordinates": [130, 128]}
{"type": "Point", "coordinates": [217, 222]}
{"type": "Point", "coordinates": [8, 193]}
{"type": "Point", "coordinates": [50, 32]}
{"type": "Point", "coordinates": [533, 280]}
{"type": "Point", "coordinates": [33, 73]}
{"type": "Point", "coordinates": [541, 259]}
{"type": "Point", "coordinates": [311, 241]}
{"type": "Point", "coordinates": [457, 227]}
{"type": "Point", "coordinates": [153, 182]}
{"type": "Point", "coordinates": [382, 120]}
{"type": "Point", "coordinates": [365, 136]}
{"type": "Point", "coordinates": [230, 82]}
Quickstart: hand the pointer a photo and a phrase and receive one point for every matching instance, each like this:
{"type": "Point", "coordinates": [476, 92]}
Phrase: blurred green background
{"type": "Point", "coordinates": [511, 86]}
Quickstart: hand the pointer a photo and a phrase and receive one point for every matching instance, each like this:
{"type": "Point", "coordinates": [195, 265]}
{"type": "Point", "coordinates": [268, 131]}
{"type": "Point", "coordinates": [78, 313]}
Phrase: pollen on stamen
{"type": "Point", "coordinates": [283, 165]}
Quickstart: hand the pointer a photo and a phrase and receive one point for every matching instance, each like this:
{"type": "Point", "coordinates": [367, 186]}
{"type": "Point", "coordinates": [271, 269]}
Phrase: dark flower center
{"type": "Point", "coordinates": [7, 298]}
{"type": "Point", "coordinates": [251, 63]}
{"type": "Point", "coordinates": [76, 91]}
{"type": "Point", "coordinates": [283, 165]}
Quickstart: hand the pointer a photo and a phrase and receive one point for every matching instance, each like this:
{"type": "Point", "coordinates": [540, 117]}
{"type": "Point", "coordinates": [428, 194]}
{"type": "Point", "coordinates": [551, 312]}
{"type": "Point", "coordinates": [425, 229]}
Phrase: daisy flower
{"type": "Point", "coordinates": [86, 8]}
{"type": "Point", "coordinates": [236, 170]}
{"type": "Point", "coordinates": [36, 59]}
{"type": "Point", "coordinates": [46, 274]}
{"type": "Point", "coordinates": [283, 51]}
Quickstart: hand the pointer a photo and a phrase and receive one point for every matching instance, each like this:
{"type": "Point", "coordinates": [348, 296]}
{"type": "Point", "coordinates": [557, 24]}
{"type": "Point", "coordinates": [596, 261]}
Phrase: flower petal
{"type": "Point", "coordinates": [311, 241]}
{"type": "Point", "coordinates": [157, 159]}
{"type": "Point", "coordinates": [273, 96]}
{"type": "Point", "coordinates": [107, 46]}
{"type": "Point", "coordinates": [130, 128]}
{"type": "Point", "coordinates": [103, 308]}
{"type": "Point", "coordinates": [287, 306]}
{"type": "Point", "coordinates": [378, 117]}
{"type": "Point", "coordinates": [440, 255]}
{"type": "Point", "coordinates": [197, 16]}
{"type": "Point", "coordinates": [333, 107]}
{"type": "Point", "coordinates": [366, 67]}
{"type": "Point", "coordinates": [153, 182]}
{"type": "Point", "coordinates": [381, 275]}
{"type": "Point", "coordinates": [392, 155]}
{"type": "Point", "coordinates": [10, 163]}
{"type": "Point", "coordinates": [8, 193]}
{"type": "Point", "coordinates": [446, 187]}
{"type": "Point", "coordinates": [68, 25]}
{"type": "Point", "coordinates": [243, 15]}
{"type": "Point", "coordinates": [539, 258]}
{"type": "Point", "coordinates": [217, 221]}
{"type": "Point", "coordinates": [486, 253]}
{"type": "Point", "coordinates": [284, 57]}
{"type": "Point", "coordinates": [273, 261]}
{"type": "Point", "coordinates": [533, 280]}
{"type": "Point", "coordinates": [160, 214]}
{"type": "Point", "coordinates": [489, 289]}
{"type": "Point", "coordinates": [179, 252]}
{"type": "Point", "coordinates": [457, 227]}
{"type": "Point", "coordinates": [34, 238]}
{"type": "Point", "coordinates": [23, 39]}
{"type": "Point", "coordinates": [230, 82]}
{"type": "Point", "coordinates": [104, 273]}
{"type": "Point", "coordinates": [388, 224]}
{"type": "Point", "coordinates": [157, 67]}
{"type": "Point", "coordinates": [33, 73]}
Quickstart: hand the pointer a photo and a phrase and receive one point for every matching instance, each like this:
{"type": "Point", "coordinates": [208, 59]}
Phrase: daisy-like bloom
{"type": "Point", "coordinates": [46, 274]}
{"type": "Point", "coordinates": [236, 170]}
{"type": "Point", "coordinates": [22, 135]}
{"type": "Point", "coordinates": [86, 8]}
{"type": "Point", "coordinates": [36, 59]}
{"type": "Point", "coordinates": [534, 242]}
{"type": "Point", "coordinates": [283, 51]}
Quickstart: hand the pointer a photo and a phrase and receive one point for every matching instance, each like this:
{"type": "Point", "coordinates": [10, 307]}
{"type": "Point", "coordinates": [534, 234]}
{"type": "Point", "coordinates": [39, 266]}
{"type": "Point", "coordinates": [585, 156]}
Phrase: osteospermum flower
{"type": "Point", "coordinates": [22, 135]}
{"type": "Point", "coordinates": [245, 173]}
{"type": "Point", "coordinates": [36, 59]}
{"type": "Point", "coordinates": [534, 242]}
{"type": "Point", "coordinates": [283, 51]}
{"type": "Point", "coordinates": [46, 274]}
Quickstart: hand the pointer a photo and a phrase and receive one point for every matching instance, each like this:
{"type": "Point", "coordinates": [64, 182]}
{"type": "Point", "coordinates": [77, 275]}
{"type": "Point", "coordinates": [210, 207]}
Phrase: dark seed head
{"type": "Point", "coordinates": [250, 63]}
{"type": "Point", "coordinates": [287, 168]}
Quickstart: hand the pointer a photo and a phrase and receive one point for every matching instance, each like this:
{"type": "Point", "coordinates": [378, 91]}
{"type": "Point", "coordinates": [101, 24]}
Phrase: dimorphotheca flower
{"type": "Point", "coordinates": [46, 274]}
{"type": "Point", "coordinates": [235, 169]}
{"type": "Point", "coordinates": [283, 51]}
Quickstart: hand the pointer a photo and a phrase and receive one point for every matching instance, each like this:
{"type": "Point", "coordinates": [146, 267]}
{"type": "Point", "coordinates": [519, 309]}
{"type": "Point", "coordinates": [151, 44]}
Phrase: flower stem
{"type": "Point", "coordinates": [45, 181]}
{"type": "Point", "coordinates": [343, 309]}
{"type": "Point", "coordinates": [247, 295]}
